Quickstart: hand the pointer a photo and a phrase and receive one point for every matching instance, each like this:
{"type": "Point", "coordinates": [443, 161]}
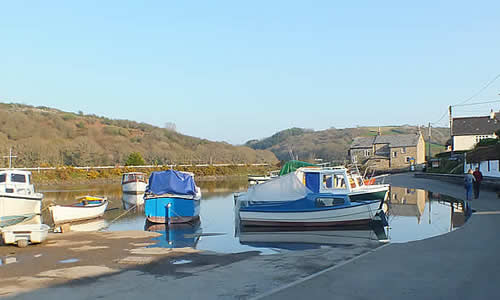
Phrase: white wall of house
{"type": "Point", "coordinates": [488, 167]}
{"type": "Point", "coordinates": [420, 151]}
{"type": "Point", "coordinates": [467, 142]}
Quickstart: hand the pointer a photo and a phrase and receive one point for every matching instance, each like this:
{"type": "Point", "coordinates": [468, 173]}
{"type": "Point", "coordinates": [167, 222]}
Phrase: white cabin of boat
{"type": "Point", "coordinates": [17, 194]}
{"type": "Point", "coordinates": [134, 183]}
{"type": "Point", "coordinates": [16, 182]}
{"type": "Point", "coordinates": [329, 180]}
{"type": "Point", "coordinates": [133, 177]}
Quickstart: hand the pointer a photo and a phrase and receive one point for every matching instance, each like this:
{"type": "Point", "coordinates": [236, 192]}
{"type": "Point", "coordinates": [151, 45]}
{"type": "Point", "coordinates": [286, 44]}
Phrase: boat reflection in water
{"type": "Point", "coordinates": [86, 226]}
{"type": "Point", "coordinates": [300, 238]}
{"type": "Point", "coordinates": [130, 200]}
{"type": "Point", "coordinates": [175, 235]}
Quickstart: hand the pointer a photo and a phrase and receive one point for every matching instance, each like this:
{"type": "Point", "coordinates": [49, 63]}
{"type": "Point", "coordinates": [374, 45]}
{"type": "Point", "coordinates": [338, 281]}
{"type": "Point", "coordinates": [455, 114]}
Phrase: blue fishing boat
{"type": "Point", "coordinates": [313, 196]}
{"type": "Point", "coordinates": [172, 197]}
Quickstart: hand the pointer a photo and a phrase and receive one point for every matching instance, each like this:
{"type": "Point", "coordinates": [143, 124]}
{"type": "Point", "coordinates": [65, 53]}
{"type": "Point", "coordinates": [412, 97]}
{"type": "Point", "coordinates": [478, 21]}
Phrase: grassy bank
{"type": "Point", "coordinates": [70, 175]}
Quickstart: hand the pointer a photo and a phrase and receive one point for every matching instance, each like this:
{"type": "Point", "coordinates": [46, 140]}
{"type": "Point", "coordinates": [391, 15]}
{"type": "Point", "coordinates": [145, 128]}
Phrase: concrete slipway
{"type": "Point", "coordinates": [463, 264]}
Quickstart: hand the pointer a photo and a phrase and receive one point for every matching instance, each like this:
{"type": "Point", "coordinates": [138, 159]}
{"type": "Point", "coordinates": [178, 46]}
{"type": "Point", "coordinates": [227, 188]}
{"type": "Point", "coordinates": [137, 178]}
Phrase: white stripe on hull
{"type": "Point", "coordinates": [350, 214]}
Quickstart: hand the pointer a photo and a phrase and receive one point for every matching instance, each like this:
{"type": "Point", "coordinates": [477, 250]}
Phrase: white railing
{"type": "Point", "coordinates": [136, 167]}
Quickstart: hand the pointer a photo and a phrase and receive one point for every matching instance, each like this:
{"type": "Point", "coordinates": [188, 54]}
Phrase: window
{"type": "Point", "coordinates": [323, 202]}
{"type": "Point", "coordinates": [367, 153]}
{"type": "Point", "coordinates": [410, 191]}
{"type": "Point", "coordinates": [17, 178]}
{"type": "Point", "coordinates": [2, 177]}
{"type": "Point", "coordinates": [395, 154]}
{"type": "Point", "coordinates": [327, 181]}
{"type": "Point", "coordinates": [482, 137]}
{"type": "Point", "coordinates": [403, 150]}
{"type": "Point", "coordinates": [408, 159]}
{"type": "Point", "coordinates": [339, 182]}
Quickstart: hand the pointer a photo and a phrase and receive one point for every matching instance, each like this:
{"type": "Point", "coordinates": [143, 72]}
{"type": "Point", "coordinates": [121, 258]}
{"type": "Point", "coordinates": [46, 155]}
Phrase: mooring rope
{"type": "Point", "coordinates": [121, 215]}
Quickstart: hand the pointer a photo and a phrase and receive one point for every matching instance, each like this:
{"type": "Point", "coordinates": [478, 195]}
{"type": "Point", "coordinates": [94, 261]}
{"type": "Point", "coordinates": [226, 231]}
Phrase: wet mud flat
{"type": "Point", "coordinates": [80, 265]}
{"type": "Point", "coordinates": [76, 255]}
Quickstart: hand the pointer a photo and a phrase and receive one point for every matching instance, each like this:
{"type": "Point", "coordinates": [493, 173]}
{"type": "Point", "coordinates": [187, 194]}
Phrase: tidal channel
{"type": "Point", "coordinates": [413, 214]}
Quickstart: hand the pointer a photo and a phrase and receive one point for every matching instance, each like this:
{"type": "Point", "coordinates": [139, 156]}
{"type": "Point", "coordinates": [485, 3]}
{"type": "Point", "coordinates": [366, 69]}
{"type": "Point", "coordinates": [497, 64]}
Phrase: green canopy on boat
{"type": "Point", "coordinates": [293, 165]}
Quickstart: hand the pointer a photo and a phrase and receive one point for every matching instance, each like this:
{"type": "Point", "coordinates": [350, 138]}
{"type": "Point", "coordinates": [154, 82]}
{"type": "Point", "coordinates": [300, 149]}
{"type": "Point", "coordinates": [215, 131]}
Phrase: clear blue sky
{"type": "Point", "coordinates": [233, 71]}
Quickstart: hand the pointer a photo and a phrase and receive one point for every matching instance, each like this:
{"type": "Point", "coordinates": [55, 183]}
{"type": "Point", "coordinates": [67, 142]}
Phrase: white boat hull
{"type": "Point", "coordinates": [135, 187]}
{"type": "Point", "coordinates": [67, 214]}
{"type": "Point", "coordinates": [15, 205]}
{"type": "Point", "coordinates": [360, 214]}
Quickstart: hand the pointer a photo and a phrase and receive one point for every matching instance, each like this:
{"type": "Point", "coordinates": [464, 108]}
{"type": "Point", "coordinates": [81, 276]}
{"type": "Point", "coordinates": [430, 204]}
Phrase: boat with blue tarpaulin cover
{"type": "Point", "coordinates": [172, 197]}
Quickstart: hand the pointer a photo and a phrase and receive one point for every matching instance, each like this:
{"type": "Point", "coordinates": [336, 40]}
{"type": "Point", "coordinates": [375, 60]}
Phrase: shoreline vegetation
{"type": "Point", "coordinates": [71, 175]}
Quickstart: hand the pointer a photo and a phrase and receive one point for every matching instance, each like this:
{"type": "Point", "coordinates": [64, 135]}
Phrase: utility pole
{"type": "Point", "coordinates": [429, 142]}
{"type": "Point", "coordinates": [451, 128]}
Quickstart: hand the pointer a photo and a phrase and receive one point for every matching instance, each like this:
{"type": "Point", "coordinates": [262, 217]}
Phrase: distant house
{"type": "Point", "coordinates": [487, 159]}
{"type": "Point", "coordinates": [467, 132]}
{"type": "Point", "coordinates": [388, 151]}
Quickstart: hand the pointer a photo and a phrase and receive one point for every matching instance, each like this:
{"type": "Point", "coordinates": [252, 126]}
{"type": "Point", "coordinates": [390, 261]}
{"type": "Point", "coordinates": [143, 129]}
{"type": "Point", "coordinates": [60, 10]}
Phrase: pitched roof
{"type": "Point", "coordinates": [362, 142]}
{"type": "Point", "coordinates": [484, 153]}
{"type": "Point", "coordinates": [476, 125]}
{"type": "Point", "coordinates": [396, 140]}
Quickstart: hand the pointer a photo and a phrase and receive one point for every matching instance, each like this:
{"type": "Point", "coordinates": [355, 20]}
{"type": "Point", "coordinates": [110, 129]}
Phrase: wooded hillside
{"type": "Point", "coordinates": [42, 136]}
{"type": "Point", "coordinates": [332, 144]}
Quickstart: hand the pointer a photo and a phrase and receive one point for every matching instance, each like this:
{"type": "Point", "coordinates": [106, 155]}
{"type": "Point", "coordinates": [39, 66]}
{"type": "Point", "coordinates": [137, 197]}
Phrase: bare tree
{"type": "Point", "coordinates": [171, 126]}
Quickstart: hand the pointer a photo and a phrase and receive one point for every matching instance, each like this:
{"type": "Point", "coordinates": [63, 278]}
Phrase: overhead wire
{"type": "Point", "coordinates": [476, 103]}
{"type": "Point", "coordinates": [470, 98]}
{"type": "Point", "coordinates": [481, 90]}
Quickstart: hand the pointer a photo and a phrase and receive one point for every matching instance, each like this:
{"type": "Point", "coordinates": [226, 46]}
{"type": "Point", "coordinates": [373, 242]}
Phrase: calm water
{"type": "Point", "coordinates": [413, 215]}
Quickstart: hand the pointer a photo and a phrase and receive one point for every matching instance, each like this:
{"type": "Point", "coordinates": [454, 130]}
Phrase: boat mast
{"type": "Point", "coordinates": [10, 158]}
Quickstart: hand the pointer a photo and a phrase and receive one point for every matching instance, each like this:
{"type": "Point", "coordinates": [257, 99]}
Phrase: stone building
{"type": "Point", "coordinates": [388, 151]}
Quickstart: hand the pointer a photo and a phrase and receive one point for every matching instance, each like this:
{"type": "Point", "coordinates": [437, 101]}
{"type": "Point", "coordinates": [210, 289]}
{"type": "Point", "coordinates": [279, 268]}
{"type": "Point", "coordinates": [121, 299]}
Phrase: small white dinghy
{"type": "Point", "coordinates": [22, 235]}
{"type": "Point", "coordinates": [87, 207]}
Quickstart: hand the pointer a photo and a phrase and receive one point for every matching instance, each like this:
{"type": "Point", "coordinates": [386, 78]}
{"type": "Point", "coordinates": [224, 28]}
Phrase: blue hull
{"type": "Point", "coordinates": [180, 210]}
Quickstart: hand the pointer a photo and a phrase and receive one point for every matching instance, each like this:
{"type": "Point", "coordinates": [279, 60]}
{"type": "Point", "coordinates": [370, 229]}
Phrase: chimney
{"type": "Point", "coordinates": [378, 132]}
{"type": "Point", "coordinates": [492, 115]}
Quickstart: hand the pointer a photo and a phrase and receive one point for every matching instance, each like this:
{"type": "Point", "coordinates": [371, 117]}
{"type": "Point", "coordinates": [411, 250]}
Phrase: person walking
{"type": "Point", "coordinates": [477, 183]}
{"type": "Point", "coordinates": [468, 182]}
